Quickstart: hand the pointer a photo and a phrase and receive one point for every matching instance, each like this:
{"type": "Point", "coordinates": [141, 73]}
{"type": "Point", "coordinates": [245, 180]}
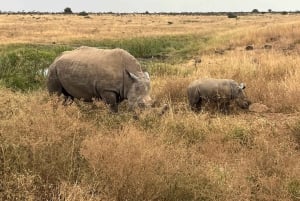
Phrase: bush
{"type": "Point", "coordinates": [68, 10]}
{"type": "Point", "coordinates": [294, 189]}
{"type": "Point", "coordinates": [231, 15]}
{"type": "Point", "coordinates": [23, 68]}
{"type": "Point", "coordinates": [83, 13]}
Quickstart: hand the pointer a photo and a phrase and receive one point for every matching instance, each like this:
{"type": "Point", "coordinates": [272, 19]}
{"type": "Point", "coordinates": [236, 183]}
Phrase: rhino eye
{"type": "Point", "coordinates": [137, 88]}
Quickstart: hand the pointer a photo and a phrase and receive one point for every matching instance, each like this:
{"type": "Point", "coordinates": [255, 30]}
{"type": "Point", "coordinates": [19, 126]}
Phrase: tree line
{"type": "Point", "coordinates": [69, 11]}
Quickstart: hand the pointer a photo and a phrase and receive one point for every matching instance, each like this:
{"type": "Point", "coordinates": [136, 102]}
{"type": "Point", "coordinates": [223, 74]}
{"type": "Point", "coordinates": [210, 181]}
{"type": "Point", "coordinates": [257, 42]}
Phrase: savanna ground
{"type": "Point", "coordinates": [83, 152]}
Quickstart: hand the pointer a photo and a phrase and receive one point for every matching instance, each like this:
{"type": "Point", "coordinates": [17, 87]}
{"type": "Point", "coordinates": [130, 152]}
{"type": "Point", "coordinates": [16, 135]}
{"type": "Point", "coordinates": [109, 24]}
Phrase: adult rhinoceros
{"type": "Point", "coordinates": [89, 73]}
{"type": "Point", "coordinates": [218, 91]}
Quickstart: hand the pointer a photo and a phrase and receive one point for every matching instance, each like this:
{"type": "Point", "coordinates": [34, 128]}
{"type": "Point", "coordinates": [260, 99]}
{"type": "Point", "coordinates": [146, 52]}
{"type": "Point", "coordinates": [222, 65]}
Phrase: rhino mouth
{"type": "Point", "coordinates": [244, 104]}
{"type": "Point", "coordinates": [144, 105]}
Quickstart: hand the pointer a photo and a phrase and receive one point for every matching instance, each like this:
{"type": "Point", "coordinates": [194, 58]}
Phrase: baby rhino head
{"type": "Point", "coordinates": [138, 94]}
{"type": "Point", "coordinates": [240, 96]}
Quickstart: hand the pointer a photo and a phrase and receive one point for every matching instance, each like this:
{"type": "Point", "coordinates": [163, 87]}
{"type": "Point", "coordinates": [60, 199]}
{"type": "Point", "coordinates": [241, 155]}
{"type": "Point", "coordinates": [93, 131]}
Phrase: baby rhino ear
{"type": "Point", "coordinates": [242, 86]}
{"type": "Point", "coordinates": [147, 75]}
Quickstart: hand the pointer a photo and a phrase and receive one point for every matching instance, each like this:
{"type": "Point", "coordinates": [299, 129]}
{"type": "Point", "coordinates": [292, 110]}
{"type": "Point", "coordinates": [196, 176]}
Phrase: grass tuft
{"type": "Point", "coordinates": [294, 189]}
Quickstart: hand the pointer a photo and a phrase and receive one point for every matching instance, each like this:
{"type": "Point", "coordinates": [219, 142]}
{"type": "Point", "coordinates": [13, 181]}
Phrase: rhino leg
{"type": "Point", "coordinates": [110, 98]}
{"type": "Point", "coordinates": [224, 107]}
{"type": "Point", "coordinates": [195, 103]}
{"type": "Point", "coordinates": [53, 84]}
{"type": "Point", "coordinates": [67, 97]}
{"type": "Point", "coordinates": [55, 87]}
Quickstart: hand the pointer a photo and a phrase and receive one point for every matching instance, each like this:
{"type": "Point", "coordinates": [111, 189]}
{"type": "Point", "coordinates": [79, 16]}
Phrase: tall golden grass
{"type": "Point", "coordinates": [65, 28]}
{"type": "Point", "coordinates": [82, 152]}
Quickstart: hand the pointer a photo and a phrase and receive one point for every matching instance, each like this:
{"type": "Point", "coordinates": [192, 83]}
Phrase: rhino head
{"type": "Point", "coordinates": [240, 96]}
{"type": "Point", "coordinates": [138, 94]}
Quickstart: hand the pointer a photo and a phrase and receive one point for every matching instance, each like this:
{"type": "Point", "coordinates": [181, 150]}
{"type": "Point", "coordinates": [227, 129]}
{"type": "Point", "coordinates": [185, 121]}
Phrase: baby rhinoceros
{"type": "Point", "coordinates": [89, 73]}
{"type": "Point", "coordinates": [216, 91]}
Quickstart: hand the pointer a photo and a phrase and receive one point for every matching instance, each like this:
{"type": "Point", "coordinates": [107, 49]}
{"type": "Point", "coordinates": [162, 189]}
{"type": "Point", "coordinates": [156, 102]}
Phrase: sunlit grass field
{"type": "Point", "coordinates": [83, 152]}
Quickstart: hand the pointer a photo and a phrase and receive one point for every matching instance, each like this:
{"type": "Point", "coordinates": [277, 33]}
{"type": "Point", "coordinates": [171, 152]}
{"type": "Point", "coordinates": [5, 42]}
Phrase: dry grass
{"type": "Point", "coordinates": [198, 157]}
{"type": "Point", "coordinates": [82, 152]}
{"type": "Point", "coordinates": [271, 77]}
{"type": "Point", "coordinates": [64, 28]}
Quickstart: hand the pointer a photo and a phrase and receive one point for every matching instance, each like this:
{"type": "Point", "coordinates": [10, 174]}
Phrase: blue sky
{"type": "Point", "coordinates": [149, 5]}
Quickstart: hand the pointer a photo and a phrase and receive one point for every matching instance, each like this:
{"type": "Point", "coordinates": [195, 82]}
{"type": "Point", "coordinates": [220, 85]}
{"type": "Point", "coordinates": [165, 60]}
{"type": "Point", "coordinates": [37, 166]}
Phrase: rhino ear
{"type": "Point", "coordinates": [242, 86]}
{"type": "Point", "coordinates": [147, 75]}
{"type": "Point", "coordinates": [133, 76]}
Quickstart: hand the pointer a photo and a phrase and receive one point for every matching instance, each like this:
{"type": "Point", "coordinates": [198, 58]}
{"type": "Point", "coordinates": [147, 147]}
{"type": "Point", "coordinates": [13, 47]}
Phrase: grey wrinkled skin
{"type": "Point", "coordinates": [89, 73]}
{"type": "Point", "coordinates": [216, 91]}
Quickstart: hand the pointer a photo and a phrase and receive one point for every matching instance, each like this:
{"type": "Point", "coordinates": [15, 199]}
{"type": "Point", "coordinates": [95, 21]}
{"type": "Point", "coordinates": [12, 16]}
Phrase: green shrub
{"type": "Point", "coordinates": [294, 189]}
{"type": "Point", "coordinates": [232, 15]}
{"type": "Point", "coordinates": [22, 67]}
{"type": "Point", "coordinates": [68, 10]}
{"type": "Point", "coordinates": [83, 13]}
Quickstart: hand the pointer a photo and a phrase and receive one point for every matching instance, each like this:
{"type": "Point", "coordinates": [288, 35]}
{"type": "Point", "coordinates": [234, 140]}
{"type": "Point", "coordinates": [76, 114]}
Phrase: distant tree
{"type": "Point", "coordinates": [68, 10]}
{"type": "Point", "coordinates": [83, 13]}
{"type": "Point", "coordinates": [231, 15]}
{"type": "Point", "coordinates": [147, 13]}
{"type": "Point", "coordinates": [270, 10]}
{"type": "Point", "coordinates": [284, 13]}
{"type": "Point", "coordinates": [255, 11]}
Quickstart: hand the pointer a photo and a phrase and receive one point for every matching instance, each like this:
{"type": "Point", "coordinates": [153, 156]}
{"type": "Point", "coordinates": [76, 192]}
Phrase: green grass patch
{"type": "Point", "coordinates": [22, 66]}
{"type": "Point", "coordinates": [294, 189]}
{"type": "Point", "coordinates": [173, 47]}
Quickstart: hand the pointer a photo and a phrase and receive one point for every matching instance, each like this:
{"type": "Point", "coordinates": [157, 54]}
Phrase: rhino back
{"type": "Point", "coordinates": [86, 72]}
{"type": "Point", "coordinates": [214, 88]}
